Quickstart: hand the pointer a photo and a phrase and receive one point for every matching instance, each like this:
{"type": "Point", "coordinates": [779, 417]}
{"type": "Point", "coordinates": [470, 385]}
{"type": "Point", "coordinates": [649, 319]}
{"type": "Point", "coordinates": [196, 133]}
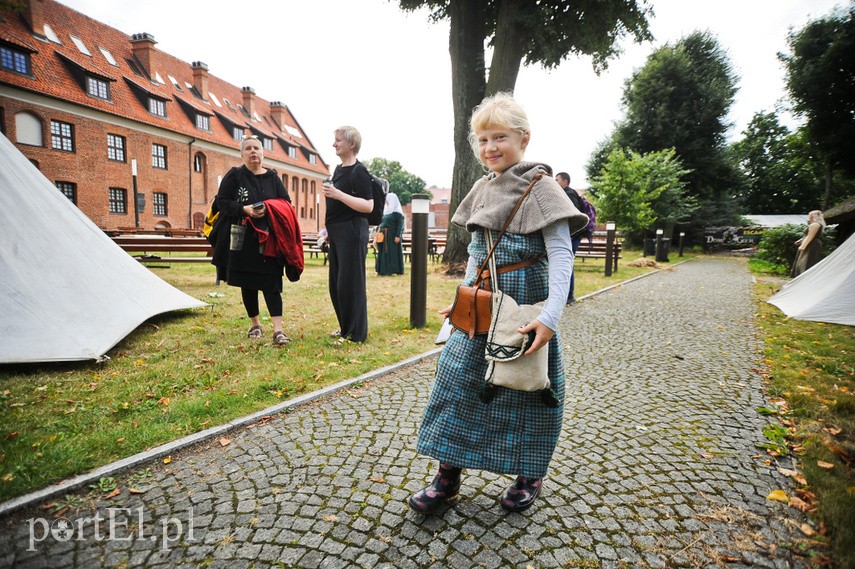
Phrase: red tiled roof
{"type": "Point", "coordinates": [53, 78]}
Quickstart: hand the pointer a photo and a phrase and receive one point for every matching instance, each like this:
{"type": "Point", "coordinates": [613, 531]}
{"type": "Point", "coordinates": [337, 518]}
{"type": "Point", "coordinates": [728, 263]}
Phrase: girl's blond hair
{"type": "Point", "coordinates": [817, 217]}
{"type": "Point", "coordinates": [499, 111]}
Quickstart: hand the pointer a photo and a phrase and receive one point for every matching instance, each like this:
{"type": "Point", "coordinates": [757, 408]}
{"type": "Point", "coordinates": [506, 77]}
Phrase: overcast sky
{"type": "Point", "coordinates": [368, 64]}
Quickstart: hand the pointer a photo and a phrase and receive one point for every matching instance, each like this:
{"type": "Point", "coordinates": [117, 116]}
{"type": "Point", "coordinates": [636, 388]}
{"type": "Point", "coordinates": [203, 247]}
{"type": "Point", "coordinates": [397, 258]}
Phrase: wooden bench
{"type": "Point", "coordinates": [597, 250]}
{"type": "Point", "coordinates": [152, 246]}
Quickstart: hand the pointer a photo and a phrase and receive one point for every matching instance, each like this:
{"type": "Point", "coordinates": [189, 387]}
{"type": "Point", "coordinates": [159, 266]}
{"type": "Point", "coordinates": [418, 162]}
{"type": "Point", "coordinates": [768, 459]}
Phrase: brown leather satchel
{"type": "Point", "coordinates": [472, 308]}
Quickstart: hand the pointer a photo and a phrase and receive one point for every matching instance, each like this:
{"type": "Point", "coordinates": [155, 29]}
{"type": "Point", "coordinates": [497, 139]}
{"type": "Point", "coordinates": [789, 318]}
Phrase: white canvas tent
{"type": "Point", "coordinates": [825, 292]}
{"type": "Point", "coordinates": [67, 292]}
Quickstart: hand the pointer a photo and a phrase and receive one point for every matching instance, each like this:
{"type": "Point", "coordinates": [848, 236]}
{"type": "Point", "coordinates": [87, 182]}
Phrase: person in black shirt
{"type": "Point", "coordinates": [563, 179]}
{"type": "Point", "coordinates": [348, 200]}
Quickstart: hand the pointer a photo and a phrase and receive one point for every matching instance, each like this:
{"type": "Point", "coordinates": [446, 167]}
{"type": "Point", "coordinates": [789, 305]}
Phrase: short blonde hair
{"type": "Point", "coordinates": [817, 216]}
{"type": "Point", "coordinates": [499, 111]}
{"type": "Point", "coordinates": [351, 135]}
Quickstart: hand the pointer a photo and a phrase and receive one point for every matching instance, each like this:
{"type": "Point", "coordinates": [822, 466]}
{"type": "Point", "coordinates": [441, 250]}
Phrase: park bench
{"type": "Point", "coordinates": [152, 247]}
{"type": "Point", "coordinates": [597, 250]}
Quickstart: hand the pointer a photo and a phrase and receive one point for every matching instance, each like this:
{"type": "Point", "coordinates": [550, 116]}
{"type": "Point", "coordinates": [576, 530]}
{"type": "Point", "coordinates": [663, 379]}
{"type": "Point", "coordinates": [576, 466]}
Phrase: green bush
{"type": "Point", "coordinates": [777, 250]}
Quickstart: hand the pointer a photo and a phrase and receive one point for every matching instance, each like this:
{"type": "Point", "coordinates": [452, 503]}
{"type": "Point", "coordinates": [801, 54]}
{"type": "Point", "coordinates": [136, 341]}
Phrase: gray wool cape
{"type": "Point", "coordinates": [516, 432]}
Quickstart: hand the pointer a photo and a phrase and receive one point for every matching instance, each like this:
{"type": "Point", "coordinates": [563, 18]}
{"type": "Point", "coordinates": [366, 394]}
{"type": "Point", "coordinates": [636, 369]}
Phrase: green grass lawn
{"type": "Point", "coordinates": [186, 371]}
{"type": "Point", "coordinates": [811, 374]}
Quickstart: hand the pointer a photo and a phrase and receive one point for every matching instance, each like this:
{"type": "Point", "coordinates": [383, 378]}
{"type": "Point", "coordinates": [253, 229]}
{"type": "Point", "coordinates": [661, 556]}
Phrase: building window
{"type": "Point", "coordinates": [158, 156]}
{"type": "Point", "coordinates": [116, 147]}
{"type": "Point", "coordinates": [62, 136]}
{"type": "Point", "coordinates": [313, 159]}
{"type": "Point", "coordinates": [69, 190]}
{"type": "Point", "coordinates": [158, 203]}
{"type": "Point", "coordinates": [98, 88]}
{"type": "Point", "coordinates": [118, 200]}
{"type": "Point", "coordinates": [267, 143]}
{"type": "Point", "coordinates": [14, 60]}
{"type": "Point", "coordinates": [292, 152]}
{"type": "Point", "coordinates": [197, 163]}
{"type": "Point", "coordinates": [203, 122]}
{"type": "Point", "coordinates": [237, 132]}
{"type": "Point", "coordinates": [156, 107]}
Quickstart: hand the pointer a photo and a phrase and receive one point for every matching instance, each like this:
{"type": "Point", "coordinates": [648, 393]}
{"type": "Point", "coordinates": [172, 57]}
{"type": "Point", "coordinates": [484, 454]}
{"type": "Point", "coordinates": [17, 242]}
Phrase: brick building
{"type": "Point", "coordinates": [84, 101]}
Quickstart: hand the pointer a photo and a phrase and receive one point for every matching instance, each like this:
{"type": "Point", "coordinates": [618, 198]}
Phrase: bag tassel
{"type": "Point", "coordinates": [487, 392]}
{"type": "Point", "coordinates": [547, 396]}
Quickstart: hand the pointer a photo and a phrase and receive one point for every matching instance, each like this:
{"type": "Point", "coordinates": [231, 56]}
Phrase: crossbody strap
{"type": "Point", "coordinates": [507, 224]}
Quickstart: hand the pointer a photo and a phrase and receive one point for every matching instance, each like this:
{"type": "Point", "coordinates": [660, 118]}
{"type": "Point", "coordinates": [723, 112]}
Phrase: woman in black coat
{"type": "Point", "coordinates": [237, 254]}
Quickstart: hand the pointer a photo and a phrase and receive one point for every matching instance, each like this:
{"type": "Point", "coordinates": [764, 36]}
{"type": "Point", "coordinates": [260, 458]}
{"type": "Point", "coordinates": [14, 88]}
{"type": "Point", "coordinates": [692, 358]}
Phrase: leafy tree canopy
{"type": "Point", "coordinates": [401, 182]}
{"type": "Point", "coordinates": [821, 83]}
{"type": "Point", "coordinates": [783, 172]}
{"type": "Point", "coordinates": [680, 100]}
{"type": "Point", "coordinates": [641, 192]}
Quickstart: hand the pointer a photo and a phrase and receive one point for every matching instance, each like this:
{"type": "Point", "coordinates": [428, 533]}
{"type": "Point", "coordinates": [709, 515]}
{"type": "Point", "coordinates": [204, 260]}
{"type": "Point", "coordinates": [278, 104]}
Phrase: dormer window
{"type": "Point", "coordinates": [292, 152]}
{"type": "Point", "coordinates": [313, 159]}
{"type": "Point", "coordinates": [156, 107]}
{"type": "Point", "coordinates": [51, 35]}
{"type": "Point", "coordinates": [237, 132]}
{"type": "Point", "coordinates": [14, 60]}
{"type": "Point", "coordinates": [97, 88]}
{"type": "Point", "coordinates": [108, 56]}
{"type": "Point", "coordinates": [267, 143]}
{"type": "Point", "coordinates": [203, 122]}
{"type": "Point", "coordinates": [81, 47]}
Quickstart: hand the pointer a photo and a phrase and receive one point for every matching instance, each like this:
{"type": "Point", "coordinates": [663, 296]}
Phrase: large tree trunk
{"type": "Point", "coordinates": [466, 47]}
{"type": "Point", "coordinates": [508, 49]}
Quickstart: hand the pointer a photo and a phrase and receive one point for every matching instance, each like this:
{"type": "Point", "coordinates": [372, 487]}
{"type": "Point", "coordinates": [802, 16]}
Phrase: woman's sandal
{"type": "Point", "coordinates": [280, 339]}
{"type": "Point", "coordinates": [254, 332]}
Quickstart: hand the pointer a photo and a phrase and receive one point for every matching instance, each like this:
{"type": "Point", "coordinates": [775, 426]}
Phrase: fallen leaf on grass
{"type": "Point", "coordinates": [807, 530]}
{"type": "Point", "coordinates": [135, 491]}
{"type": "Point", "coordinates": [824, 465]}
{"type": "Point", "coordinates": [833, 430]}
{"type": "Point", "coordinates": [778, 496]}
{"type": "Point", "coordinates": [787, 472]}
{"type": "Point", "coordinates": [113, 494]}
{"type": "Point", "coordinates": [167, 460]}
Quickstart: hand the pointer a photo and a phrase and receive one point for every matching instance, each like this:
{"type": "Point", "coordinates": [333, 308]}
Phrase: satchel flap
{"type": "Point", "coordinates": [504, 342]}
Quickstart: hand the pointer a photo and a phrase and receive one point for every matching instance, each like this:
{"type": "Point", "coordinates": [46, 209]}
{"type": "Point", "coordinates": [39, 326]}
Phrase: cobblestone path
{"type": "Point", "coordinates": [656, 466]}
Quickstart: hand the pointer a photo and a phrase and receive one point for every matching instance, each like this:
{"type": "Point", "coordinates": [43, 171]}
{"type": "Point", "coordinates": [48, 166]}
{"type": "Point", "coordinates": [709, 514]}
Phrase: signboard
{"type": "Point", "coordinates": [733, 237]}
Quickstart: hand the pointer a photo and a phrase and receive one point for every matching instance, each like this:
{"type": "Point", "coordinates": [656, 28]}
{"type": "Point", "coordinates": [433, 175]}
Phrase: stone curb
{"type": "Point", "coordinates": [166, 449]}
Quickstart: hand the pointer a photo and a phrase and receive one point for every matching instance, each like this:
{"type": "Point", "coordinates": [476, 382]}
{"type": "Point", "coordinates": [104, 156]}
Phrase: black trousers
{"type": "Point", "coordinates": [348, 247]}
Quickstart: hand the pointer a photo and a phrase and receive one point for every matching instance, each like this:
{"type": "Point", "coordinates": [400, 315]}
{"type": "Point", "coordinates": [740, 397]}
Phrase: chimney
{"type": "Point", "coordinates": [34, 14]}
{"type": "Point", "coordinates": [200, 78]}
{"type": "Point", "coordinates": [143, 47]}
{"type": "Point", "coordinates": [277, 113]}
{"type": "Point", "coordinates": [249, 101]}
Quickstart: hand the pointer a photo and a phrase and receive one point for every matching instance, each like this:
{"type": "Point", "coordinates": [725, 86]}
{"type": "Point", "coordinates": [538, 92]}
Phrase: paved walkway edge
{"type": "Point", "coordinates": [166, 449]}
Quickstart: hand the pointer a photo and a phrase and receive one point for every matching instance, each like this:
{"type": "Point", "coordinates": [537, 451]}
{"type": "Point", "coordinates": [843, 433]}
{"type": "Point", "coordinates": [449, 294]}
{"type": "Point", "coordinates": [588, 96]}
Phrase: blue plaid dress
{"type": "Point", "coordinates": [515, 433]}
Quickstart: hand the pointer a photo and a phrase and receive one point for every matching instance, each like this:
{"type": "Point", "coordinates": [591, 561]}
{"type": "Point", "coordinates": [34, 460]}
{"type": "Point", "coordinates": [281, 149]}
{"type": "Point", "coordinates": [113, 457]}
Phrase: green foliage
{"type": "Point", "coordinates": [400, 181]}
{"type": "Point", "coordinates": [639, 191]}
{"type": "Point", "coordinates": [821, 80]}
{"type": "Point", "coordinates": [783, 173]}
{"type": "Point", "coordinates": [680, 100]}
{"type": "Point", "coordinates": [777, 246]}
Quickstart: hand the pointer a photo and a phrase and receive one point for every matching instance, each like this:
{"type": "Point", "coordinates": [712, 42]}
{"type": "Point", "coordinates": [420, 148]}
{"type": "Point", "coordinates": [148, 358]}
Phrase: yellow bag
{"type": "Point", "coordinates": [210, 219]}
